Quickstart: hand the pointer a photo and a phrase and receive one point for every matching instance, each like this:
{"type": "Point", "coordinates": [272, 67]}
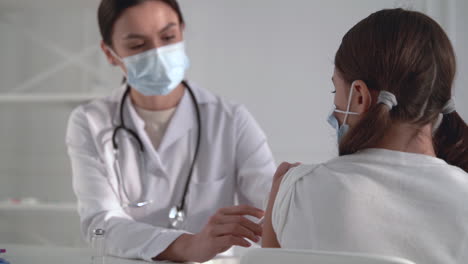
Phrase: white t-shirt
{"type": "Point", "coordinates": [376, 201]}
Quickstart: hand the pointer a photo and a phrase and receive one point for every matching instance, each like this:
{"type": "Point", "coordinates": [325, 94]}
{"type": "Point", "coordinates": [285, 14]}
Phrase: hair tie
{"type": "Point", "coordinates": [449, 107]}
{"type": "Point", "coordinates": [388, 99]}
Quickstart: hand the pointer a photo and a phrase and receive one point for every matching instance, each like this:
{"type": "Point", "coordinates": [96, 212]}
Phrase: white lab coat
{"type": "Point", "coordinates": [234, 162]}
{"type": "Point", "coordinates": [376, 201]}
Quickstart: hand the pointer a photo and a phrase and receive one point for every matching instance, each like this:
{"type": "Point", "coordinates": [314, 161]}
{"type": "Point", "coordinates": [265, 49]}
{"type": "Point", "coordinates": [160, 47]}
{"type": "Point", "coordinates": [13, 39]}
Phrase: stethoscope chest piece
{"type": "Point", "coordinates": [176, 217]}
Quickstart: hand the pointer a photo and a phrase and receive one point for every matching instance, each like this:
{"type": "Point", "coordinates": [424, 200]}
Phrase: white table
{"type": "Point", "coordinates": [26, 254]}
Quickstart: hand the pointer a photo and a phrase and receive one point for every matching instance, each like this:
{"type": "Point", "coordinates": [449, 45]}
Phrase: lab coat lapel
{"type": "Point", "coordinates": [182, 122]}
{"type": "Point", "coordinates": [130, 166]}
{"type": "Point", "coordinates": [138, 125]}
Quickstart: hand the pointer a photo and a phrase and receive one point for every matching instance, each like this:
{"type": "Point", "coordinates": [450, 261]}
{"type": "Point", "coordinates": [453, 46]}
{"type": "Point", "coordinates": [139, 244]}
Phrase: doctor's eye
{"type": "Point", "coordinates": [137, 47]}
{"type": "Point", "coordinates": [168, 38]}
{"type": "Point", "coordinates": [333, 92]}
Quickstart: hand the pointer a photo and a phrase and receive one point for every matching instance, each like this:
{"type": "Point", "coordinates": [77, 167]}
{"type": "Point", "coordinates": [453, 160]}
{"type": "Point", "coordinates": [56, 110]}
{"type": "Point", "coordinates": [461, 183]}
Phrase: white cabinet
{"type": "Point", "coordinates": [50, 62]}
{"type": "Point", "coordinates": [54, 224]}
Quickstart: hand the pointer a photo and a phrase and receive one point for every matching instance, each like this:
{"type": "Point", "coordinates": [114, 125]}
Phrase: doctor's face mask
{"type": "Point", "coordinates": [157, 71]}
{"type": "Point", "coordinates": [333, 121]}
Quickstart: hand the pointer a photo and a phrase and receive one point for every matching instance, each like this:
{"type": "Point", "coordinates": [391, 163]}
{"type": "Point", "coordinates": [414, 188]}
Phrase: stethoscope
{"type": "Point", "coordinates": [177, 213]}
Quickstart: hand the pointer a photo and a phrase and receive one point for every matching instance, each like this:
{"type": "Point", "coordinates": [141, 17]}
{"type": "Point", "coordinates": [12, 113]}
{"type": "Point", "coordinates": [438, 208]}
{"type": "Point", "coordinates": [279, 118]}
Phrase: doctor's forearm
{"type": "Point", "coordinates": [178, 251]}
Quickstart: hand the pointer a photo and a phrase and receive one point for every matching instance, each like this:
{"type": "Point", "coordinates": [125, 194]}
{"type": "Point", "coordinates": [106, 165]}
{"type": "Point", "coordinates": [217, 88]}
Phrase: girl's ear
{"type": "Point", "coordinates": [362, 97]}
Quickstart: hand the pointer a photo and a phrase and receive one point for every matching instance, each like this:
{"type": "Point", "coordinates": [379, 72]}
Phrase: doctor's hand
{"type": "Point", "coordinates": [228, 227]}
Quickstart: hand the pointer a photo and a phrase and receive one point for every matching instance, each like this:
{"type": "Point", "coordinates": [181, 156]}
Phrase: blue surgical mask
{"type": "Point", "coordinates": [341, 130]}
{"type": "Point", "coordinates": [157, 71]}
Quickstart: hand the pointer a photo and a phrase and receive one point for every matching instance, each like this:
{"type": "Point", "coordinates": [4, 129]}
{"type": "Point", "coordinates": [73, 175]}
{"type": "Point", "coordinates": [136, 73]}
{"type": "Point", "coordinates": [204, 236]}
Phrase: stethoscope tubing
{"type": "Point", "coordinates": [181, 205]}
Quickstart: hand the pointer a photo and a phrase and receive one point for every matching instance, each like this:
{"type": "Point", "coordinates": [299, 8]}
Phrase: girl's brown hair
{"type": "Point", "coordinates": [110, 10]}
{"type": "Point", "coordinates": [408, 54]}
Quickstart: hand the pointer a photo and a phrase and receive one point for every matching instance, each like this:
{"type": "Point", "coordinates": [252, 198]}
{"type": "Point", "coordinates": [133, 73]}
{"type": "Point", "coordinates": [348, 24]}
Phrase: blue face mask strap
{"type": "Point", "coordinates": [119, 59]}
{"type": "Point", "coordinates": [350, 97]}
{"type": "Point", "coordinates": [385, 97]}
{"type": "Point", "coordinates": [114, 54]}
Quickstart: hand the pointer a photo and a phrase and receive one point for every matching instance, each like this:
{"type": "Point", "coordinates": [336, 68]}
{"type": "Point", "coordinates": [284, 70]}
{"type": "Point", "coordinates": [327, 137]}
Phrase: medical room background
{"type": "Point", "coordinates": [275, 57]}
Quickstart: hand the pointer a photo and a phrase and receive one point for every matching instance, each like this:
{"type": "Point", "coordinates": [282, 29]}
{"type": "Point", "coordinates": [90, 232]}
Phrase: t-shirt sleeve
{"type": "Point", "coordinates": [284, 198]}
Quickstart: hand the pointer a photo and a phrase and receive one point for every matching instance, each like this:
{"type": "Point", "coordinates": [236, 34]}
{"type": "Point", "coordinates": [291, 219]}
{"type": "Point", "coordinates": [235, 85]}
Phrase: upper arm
{"type": "Point", "coordinates": [283, 180]}
{"type": "Point", "coordinates": [90, 183]}
{"type": "Point", "coordinates": [254, 161]}
{"type": "Point", "coordinates": [89, 169]}
{"type": "Point", "coordinates": [269, 238]}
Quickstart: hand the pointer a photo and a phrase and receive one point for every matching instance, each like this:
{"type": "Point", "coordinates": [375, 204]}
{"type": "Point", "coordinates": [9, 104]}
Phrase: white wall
{"type": "Point", "coordinates": [460, 39]}
{"type": "Point", "coordinates": [277, 58]}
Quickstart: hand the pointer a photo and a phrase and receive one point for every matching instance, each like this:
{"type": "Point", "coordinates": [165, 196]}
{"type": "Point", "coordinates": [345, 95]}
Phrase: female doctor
{"type": "Point", "coordinates": [158, 164]}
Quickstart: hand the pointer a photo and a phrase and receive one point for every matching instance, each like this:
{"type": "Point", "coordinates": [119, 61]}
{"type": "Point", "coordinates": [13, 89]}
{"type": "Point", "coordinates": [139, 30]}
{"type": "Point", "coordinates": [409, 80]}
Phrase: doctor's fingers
{"type": "Point", "coordinates": [235, 230]}
{"type": "Point", "coordinates": [237, 219]}
{"type": "Point", "coordinates": [223, 243]}
{"type": "Point", "coordinates": [241, 210]}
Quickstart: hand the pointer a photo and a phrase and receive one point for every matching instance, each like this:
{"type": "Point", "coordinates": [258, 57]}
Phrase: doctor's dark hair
{"type": "Point", "coordinates": [408, 54]}
{"type": "Point", "coordinates": [110, 10]}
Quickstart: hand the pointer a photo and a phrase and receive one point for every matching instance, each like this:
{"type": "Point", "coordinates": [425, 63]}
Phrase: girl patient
{"type": "Point", "coordinates": [400, 184]}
